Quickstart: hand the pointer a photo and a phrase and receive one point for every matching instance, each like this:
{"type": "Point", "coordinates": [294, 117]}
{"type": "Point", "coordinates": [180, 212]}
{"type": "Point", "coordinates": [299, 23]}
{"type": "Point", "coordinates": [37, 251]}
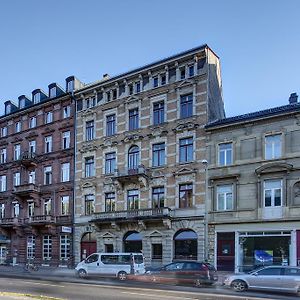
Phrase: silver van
{"type": "Point", "coordinates": [118, 265]}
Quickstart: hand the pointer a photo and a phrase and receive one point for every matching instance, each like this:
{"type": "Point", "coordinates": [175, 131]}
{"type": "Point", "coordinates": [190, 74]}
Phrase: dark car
{"type": "Point", "coordinates": [183, 272]}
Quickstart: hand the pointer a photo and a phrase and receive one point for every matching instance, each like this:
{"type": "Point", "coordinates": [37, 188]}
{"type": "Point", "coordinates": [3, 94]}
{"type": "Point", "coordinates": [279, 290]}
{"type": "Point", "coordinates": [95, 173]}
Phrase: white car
{"type": "Point", "coordinates": [272, 278]}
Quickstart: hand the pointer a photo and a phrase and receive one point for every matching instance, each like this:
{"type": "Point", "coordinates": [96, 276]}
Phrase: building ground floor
{"type": "Point", "coordinates": [44, 245]}
{"type": "Point", "coordinates": [160, 241]}
{"type": "Point", "coordinates": [246, 246]}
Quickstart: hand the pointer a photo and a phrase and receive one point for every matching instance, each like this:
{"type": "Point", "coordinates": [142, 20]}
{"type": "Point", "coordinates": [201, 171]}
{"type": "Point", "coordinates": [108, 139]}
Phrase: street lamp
{"type": "Point", "coordinates": [205, 164]}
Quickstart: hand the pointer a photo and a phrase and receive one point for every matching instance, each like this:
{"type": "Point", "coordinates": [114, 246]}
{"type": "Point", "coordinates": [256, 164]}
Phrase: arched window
{"type": "Point", "coordinates": [185, 244]}
{"type": "Point", "coordinates": [132, 242]}
{"type": "Point", "coordinates": [133, 157]}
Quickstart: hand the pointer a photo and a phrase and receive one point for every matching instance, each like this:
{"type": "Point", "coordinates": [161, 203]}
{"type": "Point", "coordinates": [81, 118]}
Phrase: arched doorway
{"type": "Point", "coordinates": [132, 242]}
{"type": "Point", "coordinates": [185, 244]}
{"type": "Point", "coordinates": [88, 245]}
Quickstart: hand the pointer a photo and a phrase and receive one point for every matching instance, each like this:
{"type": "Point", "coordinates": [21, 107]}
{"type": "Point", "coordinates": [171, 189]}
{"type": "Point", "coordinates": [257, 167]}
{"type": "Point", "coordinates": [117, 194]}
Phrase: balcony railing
{"type": "Point", "coordinates": [26, 189]}
{"type": "Point", "coordinates": [139, 170]}
{"type": "Point", "coordinates": [11, 221]}
{"type": "Point", "coordinates": [40, 219]}
{"type": "Point", "coordinates": [28, 159]}
{"type": "Point", "coordinates": [63, 219]}
{"type": "Point", "coordinates": [139, 214]}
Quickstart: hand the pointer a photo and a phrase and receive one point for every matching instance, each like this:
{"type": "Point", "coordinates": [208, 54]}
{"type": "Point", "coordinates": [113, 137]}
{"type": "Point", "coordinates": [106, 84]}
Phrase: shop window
{"type": "Point", "coordinates": [132, 242]}
{"type": "Point", "coordinates": [185, 243]}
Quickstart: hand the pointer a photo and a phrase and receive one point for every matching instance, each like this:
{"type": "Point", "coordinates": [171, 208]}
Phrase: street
{"type": "Point", "coordinates": [111, 289]}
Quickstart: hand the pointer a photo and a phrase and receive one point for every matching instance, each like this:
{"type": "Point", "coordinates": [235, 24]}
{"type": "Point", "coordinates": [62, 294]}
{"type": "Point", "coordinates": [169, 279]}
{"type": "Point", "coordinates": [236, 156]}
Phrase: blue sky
{"type": "Point", "coordinates": [46, 41]}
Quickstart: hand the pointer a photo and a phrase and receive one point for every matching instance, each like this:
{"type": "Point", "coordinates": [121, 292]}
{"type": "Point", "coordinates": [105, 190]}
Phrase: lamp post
{"type": "Point", "coordinates": [205, 164]}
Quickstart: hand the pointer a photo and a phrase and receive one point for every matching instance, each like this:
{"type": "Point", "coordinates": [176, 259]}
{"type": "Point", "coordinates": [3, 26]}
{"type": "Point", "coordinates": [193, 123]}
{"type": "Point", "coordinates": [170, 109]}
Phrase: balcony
{"type": "Point", "coordinates": [40, 220]}
{"type": "Point", "coordinates": [26, 190]}
{"type": "Point", "coordinates": [7, 222]}
{"type": "Point", "coordinates": [127, 175]}
{"type": "Point", "coordinates": [28, 159]}
{"type": "Point", "coordinates": [63, 219]}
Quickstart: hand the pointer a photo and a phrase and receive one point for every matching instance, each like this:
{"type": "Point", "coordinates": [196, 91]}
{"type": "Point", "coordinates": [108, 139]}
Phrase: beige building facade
{"type": "Point", "coordinates": [140, 142]}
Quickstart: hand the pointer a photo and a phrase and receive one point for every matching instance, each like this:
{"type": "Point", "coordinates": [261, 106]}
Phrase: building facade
{"type": "Point", "coordinates": [140, 183]}
{"type": "Point", "coordinates": [253, 188]}
{"type": "Point", "coordinates": [36, 177]}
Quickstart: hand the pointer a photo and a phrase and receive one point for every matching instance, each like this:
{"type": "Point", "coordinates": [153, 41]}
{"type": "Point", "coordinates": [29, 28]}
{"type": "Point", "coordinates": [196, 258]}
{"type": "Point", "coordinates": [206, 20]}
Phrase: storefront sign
{"type": "Point", "coordinates": [66, 229]}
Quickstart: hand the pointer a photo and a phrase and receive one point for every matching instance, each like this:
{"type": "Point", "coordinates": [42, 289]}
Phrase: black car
{"type": "Point", "coordinates": [183, 272]}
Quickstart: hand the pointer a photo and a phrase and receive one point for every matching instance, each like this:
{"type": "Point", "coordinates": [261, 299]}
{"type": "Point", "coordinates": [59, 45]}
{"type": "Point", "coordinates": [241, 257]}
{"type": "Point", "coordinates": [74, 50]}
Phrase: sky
{"type": "Point", "coordinates": [258, 42]}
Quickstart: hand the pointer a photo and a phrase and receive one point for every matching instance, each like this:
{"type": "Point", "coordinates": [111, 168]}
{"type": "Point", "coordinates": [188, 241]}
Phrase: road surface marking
{"type": "Point", "coordinates": [48, 284]}
{"type": "Point", "coordinates": [160, 296]}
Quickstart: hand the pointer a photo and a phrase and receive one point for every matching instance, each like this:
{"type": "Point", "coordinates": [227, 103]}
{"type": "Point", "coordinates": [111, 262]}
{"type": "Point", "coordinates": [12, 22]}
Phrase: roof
{"type": "Point", "coordinates": [270, 112]}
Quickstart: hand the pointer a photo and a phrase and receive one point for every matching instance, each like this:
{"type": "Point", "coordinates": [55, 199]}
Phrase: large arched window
{"type": "Point", "coordinates": [132, 242]}
{"type": "Point", "coordinates": [133, 157]}
{"type": "Point", "coordinates": [185, 244]}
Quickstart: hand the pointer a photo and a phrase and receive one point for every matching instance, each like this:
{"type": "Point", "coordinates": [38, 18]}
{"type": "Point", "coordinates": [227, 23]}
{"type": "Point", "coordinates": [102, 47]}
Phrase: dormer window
{"type": "Point", "coordinates": [70, 86]}
{"type": "Point", "coordinates": [52, 92]}
{"type": "Point", "coordinates": [8, 109]}
{"type": "Point", "coordinates": [18, 126]}
{"type": "Point", "coordinates": [22, 103]}
{"type": "Point", "coordinates": [37, 98]}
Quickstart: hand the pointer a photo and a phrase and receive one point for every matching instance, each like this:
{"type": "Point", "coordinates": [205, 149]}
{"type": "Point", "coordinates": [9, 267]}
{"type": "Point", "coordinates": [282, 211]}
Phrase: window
{"type": "Point", "coordinates": [273, 193]}
{"type": "Point", "coordinates": [2, 210]}
{"type": "Point", "coordinates": [47, 207]}
{"type": "Point", "coordinates": [4, 131]}
{"type": "Point", "coordinates": [47, 247]}
{"type": "Point", "coordinates": [185, 195]}
{"type": "Point", "coordinates": [163, 79]}
{"type": "Point", "coordinates": [133, 158]}
{"type": "Point", "coordinates": [18, 126]}
{"type": "Point", "coordinates": [110, 125]}
{"type": "Point", "coordinates": [17, 179]}
{"type": "Point", "coordinates": [114, 94]}
{"type": "Point", "coordinates": [65, 247]}
{"type": "Point", "coordinates": [66, 111]}
{"type": "Point", "coordinates": [157, 252]}
{"type": "Point", "coordinates": [110, 202]}
{"type": "Point", "coordinates": [89, 130]}
{"type": "Point", "coordinates": [66, 140]}
{"type": "Point", "coordinates": [273, 146]}
{"type": "Point", "coordinates": [2, 183]}
{"type": "Point", "coordinates": [191, 71]}
{"type": "Point", "coordinates": [137, 87]}
{"type": "Point", "coordinates": [52, 92]}
{"type": "Point", "coordinates": [30, 209]}
{"type": "Point", "coordinates": [133, 119]}
{"type": "Point", "coordinates": [89, 167]}
{"type": "Point", "coordinates": [130, 86]}
{"type": "Point", "coordinates": [65, 172]}
{"type": "Point", "coordinates": [31, 247]}
{"type": "Point", "coordinates": [155, 81]}
{"type": "Point", "coordinates": [3, 156]}
{"type": "Point", "coordinates": [65, 205]}
{"type": "Point", "coordinates": [49, 117]}
{"type": "Point", "coordinates": [16, 209]}
{"type": "Point", "coordinates": [32, 122]}
{"type": "Point", "coordinates": [36, 98]}
{"type": "Point", "coordinates": [158, 197]}
{"type": "Point", "coordinates": [110, 162]}
{"type": "Point", "coordinates": [270, 272]}
{"type": "Point", "coordinates": [108, 96]}
{"type": "Point", "coordinates": [48, 175]}
{"type": "Point", "coordinates": [89, 204]}
{"type": "Point", "coordinates": [186, 150]}
{"type": "Point", "coordinates": [32, 147]}
{"type": "Point", "coordinates": [70, 86]}
{"type": "Point", "coordinates": [132, 199]}
{"type": "Point", "coordinates": [31, 177]}
{"type": "Point", "coordinates": [48, 144]}
{"type": "Point", "coordinates": [182, 73]}
{"type": "Point", "coordinates": [17, 151]}
{"type": "Point", "coordinates": [158, 155]}
{"type": "Point", "coordinates": [224, 197]}
{"type": "Point", "coordinates": [225, 154]}
{"type": "Point", "coordinates": [186, 106]}
{"type": "Point", "coordinates": [158, 113]}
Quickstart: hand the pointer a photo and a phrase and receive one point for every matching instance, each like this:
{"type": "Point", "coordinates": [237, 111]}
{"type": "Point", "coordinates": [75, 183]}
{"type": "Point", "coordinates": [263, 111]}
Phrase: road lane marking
{"type": "Point", "coordinates": [38, 283]}
{"type": "Point", "coordinates": [160, 296]}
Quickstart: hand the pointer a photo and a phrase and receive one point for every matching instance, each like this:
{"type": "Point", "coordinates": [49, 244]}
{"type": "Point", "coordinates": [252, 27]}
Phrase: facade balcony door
{"type": "Point", "coordinates": [133, 158]}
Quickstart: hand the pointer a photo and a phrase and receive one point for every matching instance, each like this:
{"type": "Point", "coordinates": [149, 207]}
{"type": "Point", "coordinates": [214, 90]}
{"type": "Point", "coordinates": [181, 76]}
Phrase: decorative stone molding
{"type": "Point", "coordinates": [274, 167]}
{"type": "Point", "coordinates": [185, 126]}
{"type": "Point", "coordinates": [132, 138]}
{"type": "Point", "coordinates": [167, 223]}
{"type": "Point", "coordinates": [185, 171]}
{"type": "Point", "coordinates": [142, 225]}
{"type": "Point", "coordinates": [88, 112]}
{"type": "Point", "coordinates": [115, 226]}
{"type": "Point", "coordinates": [88, 147]}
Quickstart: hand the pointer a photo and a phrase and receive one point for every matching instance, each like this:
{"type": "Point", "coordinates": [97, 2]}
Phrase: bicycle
{"type": "Point", "coordinates": [31, 266]}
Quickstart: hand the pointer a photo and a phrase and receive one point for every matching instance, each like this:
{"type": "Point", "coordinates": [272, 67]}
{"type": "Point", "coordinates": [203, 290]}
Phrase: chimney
{"type": "Point", "coordinates": [293, 98]}
{"type": "Point", "coordinates": [105, 76]}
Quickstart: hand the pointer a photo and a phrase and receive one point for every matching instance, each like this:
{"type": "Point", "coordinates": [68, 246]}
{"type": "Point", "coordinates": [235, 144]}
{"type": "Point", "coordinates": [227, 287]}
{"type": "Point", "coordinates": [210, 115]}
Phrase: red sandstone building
{"type": "Point", "coordinates": [36, 177]}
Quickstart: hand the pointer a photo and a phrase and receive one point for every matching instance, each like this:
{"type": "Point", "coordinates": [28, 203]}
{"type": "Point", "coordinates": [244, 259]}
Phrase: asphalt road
{"type": "Point", "coordinates": [112, 290]}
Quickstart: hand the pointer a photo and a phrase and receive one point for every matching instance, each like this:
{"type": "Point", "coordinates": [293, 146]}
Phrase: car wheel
{"type": "Point", "coordinates": [122, 275]}
{"type": "Point", "coordinates": [239, 285]}
{"type": "Point", "coordinates": [82, 273]}
{"type": "Point", "coordinates": [198, 283]}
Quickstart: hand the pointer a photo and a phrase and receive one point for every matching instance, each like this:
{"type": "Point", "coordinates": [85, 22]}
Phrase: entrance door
{"type": "Point", "coordinates": [3, 252]}
{"type": "Point", "coordinates": [88, 245]}
{"type": "Point", "coordinates": [225, 251]}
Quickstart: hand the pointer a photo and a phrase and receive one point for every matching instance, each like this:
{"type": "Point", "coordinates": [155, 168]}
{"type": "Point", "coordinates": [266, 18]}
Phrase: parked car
{"type": "Point", "coordinates": [118, 265]}
{"type": "Point", "coordinates": [272, 278]}
{"type": "Point", "coordinates": [182, 272]}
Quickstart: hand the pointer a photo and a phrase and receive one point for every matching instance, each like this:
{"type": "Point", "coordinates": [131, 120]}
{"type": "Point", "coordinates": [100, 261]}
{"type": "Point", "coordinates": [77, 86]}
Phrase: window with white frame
{"type": "Point", "coordinates": [65, 247]}
{"type": "Point", "coordinates": [32, 146]}
{"type": "Point", "coordinates": [65, 205]}
{"type": "Point", "coordinates": [70, 86]}
{"type": "Point", "coordinates": [2, 183]}
{"type": "Point", "coordinates": [89, 130]}
{"type": "Point", "coordinates": [110, 125]}
{"type": "Point", "coordinates": [36, 98]}
{"type": "Point", "coordinates": [32, 122]}
{"type": "Point", "coordinates": [49, 117]}
{"type": "Point", "coordinates": [52, 92]}
{"type": "Point", "coordinates": [48, 144]}
{"type": "Point", "coordinates": [16, 209]}
{"type": "Point", "coordinates": [48, 175]}
{"type": "Point", "coordinates": [133, 158]}
{"type": "Point", "coordinates": [133, 201]}
{"type": "Point", "coordinates": [4, 131]}
{"type": "Point", "coordinates": [185, 195]}
{"type": "Point", "coordinates": [110, 202]}
{"type": "Point", "coordinates": [65, 172]}
{"type": "Point", "coordinates": [66, 111]}
{"type": "Point", "coordinates": [158, 154]}
{"type": "Point", "coordinates": [18, 126]}
{"type": "Point", "coordinates": [31, 177]}
{"type": "Point", "coordinates": [110, 162]}
{"type": "Point", "coordinates": [186, 150]}
{"type": "Point", "coordinates": [17, 179]}
{"type": "Point", "coordinates": [30, 209]}
{"type": "Point", "coordinates": [47, 207]}
{"type": "Point", "coordinates": [186, 106]}
{"type": "Point", "coordinates": [133, 119]}
{"type": "Point", "coordinates": [158, 112]}
{"type": "Point", "coordinates": [225, 197]}
{"type": "Point", "coordinates": [2, 210]}
{"type": "Point", "coordinates": [17, 151]}
{"type": "Point", "coordinates": [158, 197]}
{"type": "Point", "coordinates": [66, 140]}
{"type": "Point", "coordinates": [273, 146]}
{"type": "Point", "coordinates": [3, 155]}
{"type": "Point", "coordinates": [225, 154]}
{"type": "Point", "coordinates": [47, 247]}
{"type": "Point", "coordinates": [31, 247]}
{"type": "Point", "coordinates": [273, 193]}
{"type": "Point", "coordinates": [89, 204]}
{"type": "Point", "coordinates": [89, 167]}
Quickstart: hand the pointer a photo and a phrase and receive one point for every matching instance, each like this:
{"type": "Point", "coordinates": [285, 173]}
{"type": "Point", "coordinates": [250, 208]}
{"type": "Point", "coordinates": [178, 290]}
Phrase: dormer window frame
{"type": "Point", "coordinates": [70, 86]}
{"type": "Point", "coordinates": [37, 98]}
{"type": "Point", "coordinates": [53, 92]}
{"type": "Point", "coordinates": [22, 103]}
